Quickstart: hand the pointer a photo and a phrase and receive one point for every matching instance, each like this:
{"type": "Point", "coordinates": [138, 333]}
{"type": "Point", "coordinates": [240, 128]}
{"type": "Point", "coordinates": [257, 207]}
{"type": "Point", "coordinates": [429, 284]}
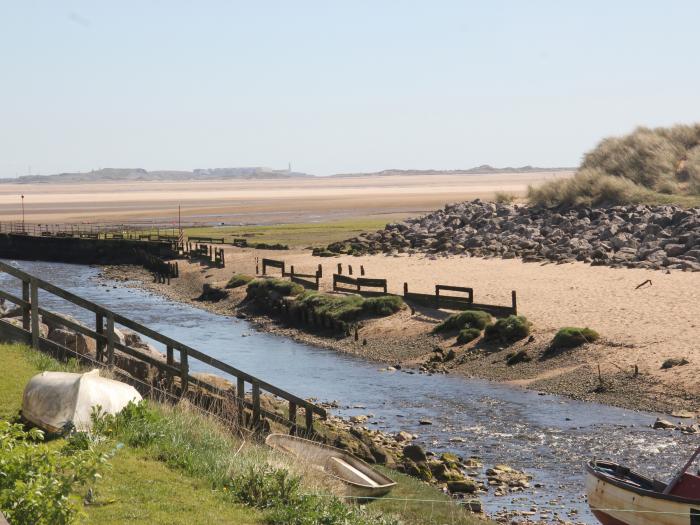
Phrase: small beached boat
{"type": "Point", "coordinates": [620, 496]}
{"type": "Point", "coordinates": [362, 480]}
{"type": "Point", "coordinates": [57, 401]}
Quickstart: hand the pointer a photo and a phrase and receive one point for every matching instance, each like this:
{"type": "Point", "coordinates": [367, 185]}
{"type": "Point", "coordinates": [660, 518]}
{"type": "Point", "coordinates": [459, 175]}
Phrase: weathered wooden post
{"type": "Point", "coordinates": [340, 269]}
{"type": "Point", "coordinates": [240, 397]}
{"type": "Point", "coordinates": [99, 343]}
{"type": "Point", "coordinates": [319, 272]}
{"type": "Point", "coordinates": [291, 270]}
{"type": "Point", "coordinates": [293, 415]}
{"type": "Point", "coordinates": [437, 296]}
{"type": "Point", "coordinates": [110, 340]}
{"type": "Point", "coordinates": [27, 308]}
{"type": "Point", "coordinates": [349, 269]}
{"type": "Point", "coordinates": [170, 360]}
{"type": "Point", "coordinates": [35, 313]}
{"type": "Point", "coordinates": [309, 419]}
{"type": "Point", "coordinates": [405, 289]}
{"type": "Point", "coordinates": [184, 372]}
{"type": "Point", "coordinates": [362, 270]}
{"type": "Point", "coordinates": [256, 404]}
{"type": "Point", "coordinates": [514, 302]}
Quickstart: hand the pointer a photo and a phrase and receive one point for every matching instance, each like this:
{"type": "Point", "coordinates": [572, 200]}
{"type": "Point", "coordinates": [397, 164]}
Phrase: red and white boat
{"type": "Point", "coordinates": [620, 496]}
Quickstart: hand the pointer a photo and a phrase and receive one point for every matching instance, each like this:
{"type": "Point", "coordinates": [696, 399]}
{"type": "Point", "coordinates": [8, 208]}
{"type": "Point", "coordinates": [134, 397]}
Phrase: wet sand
{"type": "Point", "coordinates": [253, 201]}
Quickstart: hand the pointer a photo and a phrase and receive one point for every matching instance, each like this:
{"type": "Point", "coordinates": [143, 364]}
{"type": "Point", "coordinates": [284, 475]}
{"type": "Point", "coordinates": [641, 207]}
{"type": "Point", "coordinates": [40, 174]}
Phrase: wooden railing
{"type": "Point", "coordinates": [106, 343]}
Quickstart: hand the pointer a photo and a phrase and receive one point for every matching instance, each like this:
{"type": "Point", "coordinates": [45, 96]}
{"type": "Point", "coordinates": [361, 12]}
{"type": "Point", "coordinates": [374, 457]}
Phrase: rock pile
{"type": "Point", "coordinates": [638, 236]}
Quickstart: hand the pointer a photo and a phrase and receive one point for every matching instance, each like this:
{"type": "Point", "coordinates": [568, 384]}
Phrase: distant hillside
{"type": "Point", "coordinates": [139, 174]}
{"type": "Point", "coordinates": [246, 173]}
{"type": "Point", "coordinates": [483, 169]}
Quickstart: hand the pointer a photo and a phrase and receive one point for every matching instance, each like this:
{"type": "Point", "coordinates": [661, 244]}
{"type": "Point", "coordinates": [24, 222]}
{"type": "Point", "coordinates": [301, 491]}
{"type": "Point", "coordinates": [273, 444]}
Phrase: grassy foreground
{"type": "Point", "coordinates": [173, 465]}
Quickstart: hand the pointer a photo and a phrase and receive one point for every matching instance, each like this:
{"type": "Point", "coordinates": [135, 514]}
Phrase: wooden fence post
{"type": "Point", "coordinates": [256, 404]}
{"type": "Point", "coordinates": [293, 414]}
{"type": "Point", "coordinates": [99, 343]}
{"type": "Point", "coordinates": [26, 310]}
{"type": "Point", "coordinates": [240, 396]}
{"type": "Point", "coordinates": [349, 269]}
{"type": "Point", "coordinates": [170, 359]}
{"type": "Point", "coordinates": [35, 313]}
{"type": "Point", "coordinates": [340, 269]}
{"type": "Point", "coordinates": [362, 270]}
{"type": "Point", "coordinates": [184, 372]}
{"type": "Point", "coordinates": [405, 289]}
{"type": "Point", "coordinates": [319, 272]}
{"type": "Point", "coordinates": [110, 340]}
{"type": "Point", "coordinates": [514, 302]}
{"type": "Point", "coordinates": [309, 420]}
{"type": "Point", "coordinates": [437, 296]}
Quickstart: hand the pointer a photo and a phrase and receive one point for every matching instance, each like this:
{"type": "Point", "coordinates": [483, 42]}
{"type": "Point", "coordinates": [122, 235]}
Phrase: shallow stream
{"type": "Point", "coordinates": [549, 437]}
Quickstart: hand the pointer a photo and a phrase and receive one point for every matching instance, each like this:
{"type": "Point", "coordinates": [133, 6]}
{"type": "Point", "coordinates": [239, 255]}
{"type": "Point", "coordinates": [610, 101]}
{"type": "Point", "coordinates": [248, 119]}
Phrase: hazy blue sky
{"type": "Point", "coordinates": [336, 86]}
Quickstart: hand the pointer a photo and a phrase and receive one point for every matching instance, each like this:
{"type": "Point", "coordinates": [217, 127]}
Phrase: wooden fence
{"type": "Point", "coordinates": [272, 263]}
{"type": "Point", "coordinates": [452, 302]}
{"type": "Point", "coordinates": [311, 281]}
{"type": "Point", "coordinates": [358, 283]}
{"type": "Point", "coordinates": [207, 240]}
{"type": "Point", "coordinates": [107, 344]}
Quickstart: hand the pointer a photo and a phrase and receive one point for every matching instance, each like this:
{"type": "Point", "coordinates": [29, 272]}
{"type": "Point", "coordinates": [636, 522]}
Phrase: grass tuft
{"type": "Point", "coordinates": [467, 335]}
{"type": "Point", "coordinates": [238, 279]}
{"type": "Point", "coordinates": [466, 319]}
{"type": "Point", "coordinates": [272, 289]}
{"type": "Point", "coordinates": [571, 337]}
{"type": "Point", "coordinates": [509, 329]}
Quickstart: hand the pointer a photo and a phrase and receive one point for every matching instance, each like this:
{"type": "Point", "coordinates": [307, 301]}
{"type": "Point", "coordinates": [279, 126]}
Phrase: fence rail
{"type": "Point", "coordinates": [107, 344]}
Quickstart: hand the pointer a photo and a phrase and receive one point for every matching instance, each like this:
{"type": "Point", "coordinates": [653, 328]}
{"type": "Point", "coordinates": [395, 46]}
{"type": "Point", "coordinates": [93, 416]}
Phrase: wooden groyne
{"type": "Point", "coordinates": [174, 374]}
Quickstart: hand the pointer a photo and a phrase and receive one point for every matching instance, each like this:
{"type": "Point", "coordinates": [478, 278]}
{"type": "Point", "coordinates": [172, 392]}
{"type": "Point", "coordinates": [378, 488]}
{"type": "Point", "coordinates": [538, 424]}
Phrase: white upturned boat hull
{"type": "Point", "coordinates": [361, 480]}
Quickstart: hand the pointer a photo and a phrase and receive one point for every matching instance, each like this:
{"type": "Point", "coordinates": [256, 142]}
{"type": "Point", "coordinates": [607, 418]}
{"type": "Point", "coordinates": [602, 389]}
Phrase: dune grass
{"type": "Point", "coordinates": [572, 336]}
{"type": "Point", "coordinates": [650, 166]}
{"type": "Point", "coordinates": [238, 279]}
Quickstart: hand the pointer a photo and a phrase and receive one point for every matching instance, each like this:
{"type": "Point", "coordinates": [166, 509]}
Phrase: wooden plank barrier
{"type": "Point", "coordinates": [207, 240]}
{"type": "Point", "coordinates": [451, 302]}
{"type": "Point", "coordinates": [272, 263]}
{"type": "Point", "coordinates": [310, 281]}
{"type": "Point", "coordinates": [110, 352]}
{"type": "Point", "coordinates": [358, 283]}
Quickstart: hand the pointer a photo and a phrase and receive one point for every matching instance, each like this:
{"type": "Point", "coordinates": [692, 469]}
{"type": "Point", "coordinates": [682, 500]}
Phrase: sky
{"type": "Point", "coordinates": [336, 87]}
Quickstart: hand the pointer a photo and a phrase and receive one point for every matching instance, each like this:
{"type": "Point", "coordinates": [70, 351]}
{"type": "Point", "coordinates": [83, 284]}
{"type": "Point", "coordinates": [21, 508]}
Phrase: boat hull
{"type": "Point", "coordinates": [613, 504]}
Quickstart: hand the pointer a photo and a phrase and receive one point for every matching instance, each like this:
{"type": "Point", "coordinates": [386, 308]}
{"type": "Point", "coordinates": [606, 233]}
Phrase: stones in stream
{"type": "Point", "coordinates": [635, 236]}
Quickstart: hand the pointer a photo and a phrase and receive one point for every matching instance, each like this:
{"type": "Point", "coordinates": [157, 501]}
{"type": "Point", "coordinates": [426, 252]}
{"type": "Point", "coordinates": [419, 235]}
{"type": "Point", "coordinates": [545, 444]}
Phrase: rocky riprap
{"type": "Point", "coordinates": [635, 236]}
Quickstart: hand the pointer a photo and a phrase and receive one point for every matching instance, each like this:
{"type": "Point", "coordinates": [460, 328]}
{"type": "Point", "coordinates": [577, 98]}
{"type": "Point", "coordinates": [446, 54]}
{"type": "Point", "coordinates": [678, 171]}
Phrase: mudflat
{"type": "Point", "coordinates": [254, 201]}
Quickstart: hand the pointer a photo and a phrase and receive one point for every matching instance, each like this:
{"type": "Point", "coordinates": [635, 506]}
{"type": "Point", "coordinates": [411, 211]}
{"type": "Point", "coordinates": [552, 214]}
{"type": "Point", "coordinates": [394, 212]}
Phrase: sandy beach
{"type": "Point", "coordinates": [253, 201]}
{"type": "Point", "coordinates": [641, 327]}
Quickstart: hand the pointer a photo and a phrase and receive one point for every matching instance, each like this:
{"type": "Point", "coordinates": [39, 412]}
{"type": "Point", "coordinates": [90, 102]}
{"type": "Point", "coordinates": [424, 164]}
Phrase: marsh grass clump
{"type": "Point", "coordinates": [349, 307]}
{"type": "Point", "coordinates": [467, 335]}
{"type": "Point", "coordinates": [238, 279]}
{"type": "Point", "coordinates": [647, 165]}
{"type": "Point", "coordinates": [466, 319]}
{"type": "Point", "coordinates": [272, 289]}
{"type": "Point", "coordinates": [521, 356]}
{"type": "Point", "coordinates": [571, 337]}
{"type": "Point", "coordinates": [509, 329]}
{"type": "Point", "coordinates": [382, 305]}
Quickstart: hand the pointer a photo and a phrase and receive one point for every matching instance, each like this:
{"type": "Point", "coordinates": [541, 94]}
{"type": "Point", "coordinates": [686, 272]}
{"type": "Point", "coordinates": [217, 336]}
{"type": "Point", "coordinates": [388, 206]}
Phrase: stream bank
{"type": "Point", "coordinates": [401, 341]}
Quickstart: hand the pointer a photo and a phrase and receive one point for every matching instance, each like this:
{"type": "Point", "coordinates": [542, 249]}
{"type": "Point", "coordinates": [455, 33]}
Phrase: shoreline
{"type": "Point", "coordinates": [571, 376]}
